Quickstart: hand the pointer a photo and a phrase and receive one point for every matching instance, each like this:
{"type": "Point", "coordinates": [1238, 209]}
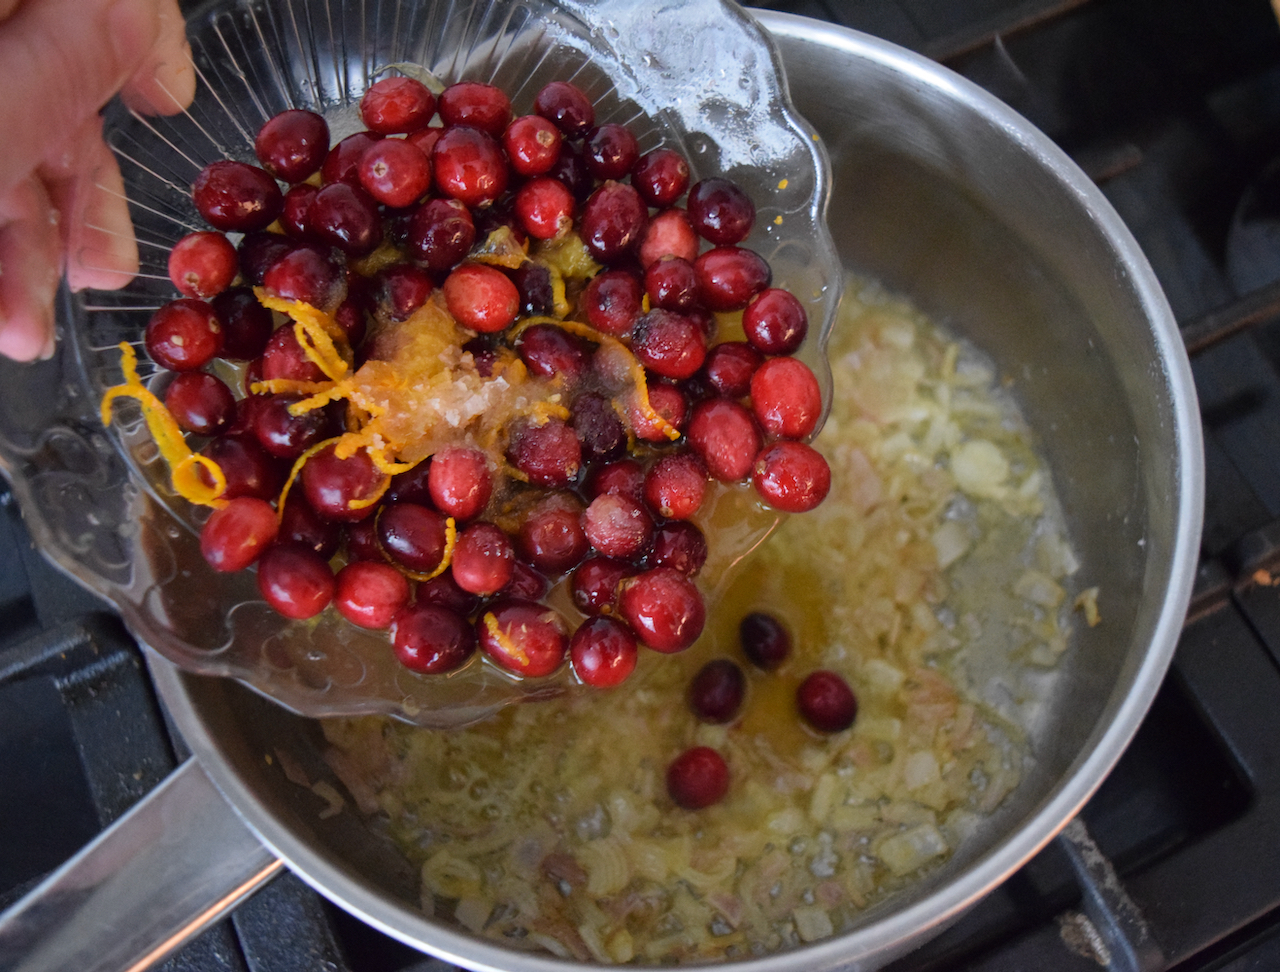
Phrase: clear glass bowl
{"type": "Point", "coordinates": [699, 76]}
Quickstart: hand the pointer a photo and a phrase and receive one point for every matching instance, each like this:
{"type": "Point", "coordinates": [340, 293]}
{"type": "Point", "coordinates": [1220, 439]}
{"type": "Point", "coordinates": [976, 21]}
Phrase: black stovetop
{"type": "Point", "coordinates": [1173, 107]}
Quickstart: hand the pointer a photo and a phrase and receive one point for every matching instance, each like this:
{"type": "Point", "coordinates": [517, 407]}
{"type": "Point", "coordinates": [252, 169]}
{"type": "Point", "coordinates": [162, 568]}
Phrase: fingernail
{"type": "Point", "coordinates": [50, 345]}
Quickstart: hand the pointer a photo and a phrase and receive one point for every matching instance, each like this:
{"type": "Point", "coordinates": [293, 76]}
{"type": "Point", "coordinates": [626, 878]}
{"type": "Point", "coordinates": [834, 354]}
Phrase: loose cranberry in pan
{"type": "Point", "coordinates": [566, 106]}
{"type": "Point", "coordinates": [613, 301]}
{"type": "Point", "coordinates": [236, 197]}
{"type": "Point", "coordinates": [775, 322]}
{"type": "Point", "coordinates": [603, 652]}
{"type": "Point", "coordinates": [342, 164]}
{"type": "Point", "coordinates": [785, 398]}
{"type": "Point", "coordinates": [717, 691]}
{"type": "Point", "coordinates": [826, 702]}
{"type": "Point", "coordinates": [765, 641]}
{"type": "Point", "coordinates": [432, 639]}
{"type": "Point", "coordinates": [664, 609]}
{"type": "Point", "coordinates": [524, 637]}
{"type": "Point", "coordinates": [681, 545]}
{"type": "Point", "coordinates": [792, 477]}
{"type": "Point", "coordinates": [183, 335]}
{"type": "Point", "coordinates": [397, 105]}
{"type": "Point", "coordinates": [551, 536]}
{"type": "Point", "coordinates": [724, 434]}
{"type": "Point", "coordinates": [235, 536]}
{"type": "Point", "coordinates": [610, 151]}
{"type": "Point", "coordinates": [200, 403]}
{"type": "Point", "coordinates": [669, 234]}
{"type": "Point", "coordinates": [468, 165]}
{"type": "Point", "coordinates": [246, 324]}
{"type": "Point", "coordinates": [533, 145]}
{"type": "Point", "coordinates": [476, 104]}
{"type": "Point", "coordinates": [395, 172]}
{"type": "Point", "coordinates": [729, 276]}
{"type": "Point", "coordinates": [661, 177]}
{"type": "Point", "coordinates": [698, 778]}
{"type": "Point", "coordinates": [613, 221]}
{"type": "Point", "coordinates": [595, 581]}
{"type": "Point", "coordinates": [295, 580]}
{"type": "Point", "coordinates": [720, 211]}
{"type": "Point", "coordinates": [370, 594]}
{"type": "Point", "coordinates": [202, 264]}
{"type": "Point", "coordinates": [617, 526]}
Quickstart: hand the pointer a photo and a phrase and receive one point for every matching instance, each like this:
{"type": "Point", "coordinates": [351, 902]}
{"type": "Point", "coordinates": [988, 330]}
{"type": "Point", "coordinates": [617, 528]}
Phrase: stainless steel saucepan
{"type": "Point", "coordinates": [945, 195]}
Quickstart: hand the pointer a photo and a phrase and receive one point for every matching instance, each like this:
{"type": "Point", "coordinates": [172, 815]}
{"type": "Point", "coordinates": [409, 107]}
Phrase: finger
{"type": "Point", "coordinates": [29, 262]}
{"type": "Point", "coordinates": [7, 7]}
{"type": "Point", "coordinates": [66, 58]}
{"type": "Point", "coordinates": [166, 82]}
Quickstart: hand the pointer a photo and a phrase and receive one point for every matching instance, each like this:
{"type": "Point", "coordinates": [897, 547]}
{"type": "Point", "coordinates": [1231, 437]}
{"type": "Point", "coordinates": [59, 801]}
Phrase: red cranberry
{"type": "Point", "coordinates": [785, 398]}
{"type": "Point", "coordinates": [393, 106]}
{"type": "Point", "coordinates": [551, 536]}
{"type": "Point", "coordinates": [792, 477]}
{"type": "Point", "coordinates": [669, 234]}
{"type": "Point", "coordinates": [624, 477]}
{"type": "Point", "coordinates": [724, 434]}
{"type": "Point", "coordinates": [526, 583]}
{"type": "Point", "coordinates": [483, 560]}
{"type": "Point", "coordinates": [404, 289]}
{"type": "Point", "coordinates": [598, 428]}
{"type": "Point", "coordinates": [394, 172]}
{"type": "Point", "coordinates": [347, 217]}
{"type": "Point", "coordinates": [370, 594]}
{"type": "Point", "coordinates": [594, 584]}
{"type": "Point", "coordinates": [603, 652]}
{"type": "Point", "coordinates": [566, 106]}
{"type": "Point", "coordinates": [729, 367]}
{"type": "Point", "coordinates": [664, 608]}
{"type": "Point", "coordinates": [469, 166]}
{"type": "Point", "coordinates": [617, 526]}
{"type": "Point", "coordinates": [681, 545]}
{"type": "Point", "coordinates": [545, 207]}
{"type": "Point", "coordinates": [202, 264]}
{"type": "Point", "coordinates": [610, 151]}
{"type": "Point", "coordinates": [613, 221]}
{"type": "Point", "coordinates": [342, 164]}
{"type": "Point", "coordinates": [432, 639]}
{"type": "Point", "coordinates": [613, 301]}
{"type": "Point", "coordinates": [284, 358]}
{"type": "Point", "coordinates": [297, 203]}
{"type": "Point", "coordinates": [717, 691]}
{"type": "Point", "coordinates": [246, 324]}
{"type": "Point", "coordinates": [764, 640]}
{"type": "Point", "coordinates": [234, 536]}
{"type": "Point", "coordinates": [288, 436]}
{"type": "Point", "coordinates": [548, 454]}
{"type": "Point", "coordinates": [444, 591]}
{"type": "Point", "coordinates": [183, 335]}
{"type": "Point", "coordinates": [294, 580]}
{"type": "Point", "coordinates": [249, 469]}
{"type": "Point", "coordinates": [570, 169]}
{"type": "Point", "coordinates": [775, 322]}
{"type": "Point", "coordinates": [412, 536]}
{"type": "Point", "coordinates": [236, 197]}
{"type": "Point", "coordinates": [721, 212]}
{"type": "Point", "coordinates": [661, 177]}
{"type": "Point", "coordinates": [549, 351]}
{"type": "Point", "coordinates": [411, 486]}
{"type": "Point", "coordinates": [361, 539]}
{"type": "Point", "coordinates": [668, 343]}
{"type": "Point", "coordinates": [258, 253]}
{"type": "Point", "coordinates": [698, 778]}
{"type": "Point", "coordinates": [669, 402]}
{"type": "Point", "coordinates": [481, 297]}
{"type": "Point", "coordinates": [729, 276]}
{"type": "Point", "coordinates": [530, 639]}
{"type": "Point", "coordinates": [826, 702]}
{"type": "Point", "coordinates": [425, 139]}
{"type": "Point", "coordinates": [332, 485]}
{"type": "Point", "coordinates": [672, 284]}
{"type": "Point", "coordinates": [293, 144]}
{"type": "Point", "coordinates": [533, 281]}
{"type": "Point", "coordinates": [675, 485]}
{"type": "Point", "coordinates": [200, 403]}
{"type": "Point", "coordinates": [305, 274]}
{"type": "Point", "coordinates": [441, 232]}
{"type": "Point", "coordinates": [476, 104]}
{"type": "Point", "coordinates": [459, 482]}
{"type": "Point", "coordinates": [299, 523]}
{"type": "Point", "coordinates": [533, 145]}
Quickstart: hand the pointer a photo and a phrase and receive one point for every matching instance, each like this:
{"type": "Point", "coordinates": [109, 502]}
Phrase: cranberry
{"type": "Point", "coordinates": [481, 297]}
{"type": "Point", "coordinates": [617, 526]}
{"type": "Point", "coordinates": [775, 321]}
{"type": "Point", "coordinates": [246, 324]}
{"type": "Point", "coordinates": [332, 485]}
{"type": "Point", "coordinates": [258, 253]}
{"type": "Point", "coordinates": [393, 106]}
{"type": "Point", "coordinates": [444, 591]}
{"type": "Point", "coordinates": [594, 584]}
{"type": "Point", "coordinates": [565, 105]}
{"type": "Point", "coordinates": [672, 284]}
{"type": "Point", "coordinates": [249, 469]}
{"type": "Point", "coordinates": [526, 583]}
{"type": "Point", "coordinates": [236, 197]}
{"type": "Point", "coordinates": [299, 523]}
{"type": "Point", "coordinates": [530, 639]}
{"type": "Point", "coordinates": [412, 536]}
{"type": "Point", "coordinates": [293, 144]}
{"type": "Point", "coordinates": [729, 367]}
{"type": "Point", "coordinates": [202, 264]}
{"type": "Point", "coordinates": [785, 398]}
{"type": "Point", "coordinates": [476, 104]}
{"type": "Point", "coordinates": [613, 301]}
{"type": "Point", "coordinates": [200, 403]}
{"type": "Point", "coordinates": [675, 485]}
{"type": "Point", "coordinates": [425, 139]}
{"type": "Point", "coordinates": [545, 207]}
{"type": "Point", "coordinates": [664, 609]}
{"type": "Point", "coordinates": [721, 212]}
{"type": "Point", "coordinates": [361, 539]}
{"type": "Point", "coordinates": [669, 234]}
{"type": "Point", "coordinates": [295, 580]}
{"type": "Point", "coordinates": [234, 536]}
{"type": "Point", "coordinates": [598, 428]}
{"type": "Point", "coordinates": [698, 778]}
{"type": "Point", "coordinates": [469, 166]}
{"type": "Point", "coordinates": [284, 358]}
{"type": "Point", "coordinates": [729, 276]}
{"type": "Point", "coordinates": [717, 691]}
{"type": "Point", "coordinates": [342, 164]}
{"type": "Point", "coordinates": [411, 486]}
{"type": "Point", "coordinates": [432, 639]}
{"type": "Point", "coordinates": [347, 217]}
{"type": "Point", "coordinates": [297, 203]}
{"type": "Point", "coordinates": [603, 652]}
{"type": "Point", "coordinates": [404, 289]}
{"type": "Point", "coordinates": [724, 434]}
{"type": "Point", "coordinates": [570, 169]}
{"type": "Point", "coordinates": [548, 351]}
{"type": "Point", "coordinates": [661, 177]}
{"type": "Point", "coordinates": [669, 402]}
{"type": "Point", "coordinates": [533, 145]}
{"type": "Point", "coordinates": [483, 560]}
{"type": "Point", "coordinates": [533, 281]}
{"type": "Point", "coordinates": [826, 702]}
{"type": "Point", "coordinates": [548, 454]}
{"type": "Point", "coordinates": [613, 221]}
{"type": "Point", "coordinates": [288, 436]}
{"type": "Point", "coordinates": [551, 536]}
{"type": "Point", "coordinates": [370, 594]}
{"type": "Point", "coordinates": [441, 232]}
{"type": "Point", "coordinates": [305, 274]}
{"type": "Point", "coordinates": [394, 172]}
{"type": "Point", "coordinates": [610, 151]}
{"type": "Point", "coordinates": [624, 477]}
{"type": "Point", "coordinates": [764, 640]}
{"type": "Point", "coordinates": [459, 482]}
{"type": "Point", "coordinates": [183, 335]}
{"type": "Point", "coordinates": [681, 545]}
{"type": "Point", "coordinates": [669, 343]}
{"type": "Point", "coordinates": [792, 477]}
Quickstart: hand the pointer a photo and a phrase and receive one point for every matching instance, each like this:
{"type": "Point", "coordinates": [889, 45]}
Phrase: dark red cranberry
{"type": "Point", "coordinates": [548, 351]}
{"type": "Point", "coordinates": [403, 288]}
{"type": "Point", "coordinates": [669, 343]}
{"type": "Point", "coordinates": [729, 276]}
{"type": "Point", "coordinates": [548, 454]}
{"type": "Point", "coordinates": [481, 297]}
{"type": "Point", "coordinates": [721, 212]}
{"type": "Point", "coordinates": [613, 301]}
{"type": "Point", "coordinates": [484, 356]}
{"type": "Point", "coordinates": [394, 172]}
{"type": "Point", "coordinates": [432, 639]}
{"type": "Point", "coordinates": [570, 169]}
{"type": "Point", "coordinates": [610, 151]}
{"type": "Point", "coordinates": [661, 177]}
{"type": "Point", "coordinates": [444, 591]}
{"type": "Point", "coordinates": [670, 234]}
{"type": "Point", "coordinates": [725, 435]}
{"type": "Point", "coordinates": [826, 702]}
{"type": "Point", "coordinates": [545, 208]}
{"type": "Point", "coordinates": [698, 778]}
{"type": "Point", "coordinates": [288, 436]}
{"type": "Point", "coordinates": [664, 608]}
{"type": "Point", "coordinates": [533, 282]}
{"type": "Point", "coordinates": [483, 559]}
{"type": "Point", "coordinates": [249, 469]}
{"type": "Point", "coordinates": [413, 536]}
{"type": "Point", "coordinates": [791, 476]}
{"type": "Point", "coordinates": [305, 274]}
{"type": "Point", "coordinates": [236, 197]}
{"type": "Point", "coordinates": [234, 536]}
{"type": "Point", "coordinates": [299, 523]}
{"type": "Point", "coordinates": [202, 264]}
{"type": "Point", "coordinates": [675, 485]}
{"type": "Point", "coordinates": [297, 203]}
{"type": "Point", "coordinates": [566, 106]}
{"type": "Point", "coordinates": [775, 322]}
{"type": "Point", "coordinates": [786, 399]}
{"type": "Point", "coordinates": [246, 414]}
{"type": "Point", "coordinates": [350, 316]}
{"type": "Point", "coordinates": [717, 691]}
{"type": "Point", "coordinates": [370, 594]}
{"type": "Point", "coordinates": [765, 641]}
{"type": "Point", "coordinates": [669, 403]}
{"type": "Point", "coordinates": [341, 488]}
{"type": "Point", "coordinates": [347, 217]}
{"type": "Point", "coordinates": [533, 145]}
{"type": "Point", "coordinates": [293, 144]}
{"type": "Point", "coordinates": [441, 233]}
{"type": "Point", "coordinates": [411, 486]}
{"type": "Point", "coordinates": [459, 482]}
{"type": "Point", "coordinates": [476, 104]}
{"type": "Point", "coordinates": [551, 536]}
{"type": "Point", "coordinates": [394, 106]}
{"type": "Point", "coordinates": [469, 166]}
{"type": "Point", "coordinates": [296, 581]}
{"type": "Point", "coordinates": [246, 324]}
{"type": "Point", "coordinates": [284, 358]}
{"type": "Point", "coordinates": [361, 540]}
{"type": "Point", "coordinates": [200, 403]}
{"type": "Point", "coordinates": [594, 584]}
{"type": "Point", "coordinates": [603, 652]}
{"type": "Point", "coordinates": [258, 253]}
{"type": "Point", "coordinates": [526, 638]}
{"type": "Point", "coordinates": [598, 428]}
{"type": "Point", "coordinates": [671, 283]}
{"type": "Point", "coordinates": [526, 583]}
{"type": "Point", "coordinates": [613, 221]}
{"type": "Point", "coordinates": [625, 477]}
{"type": "Point", "coordinates": [183, 335]}
{"type": "Point", "coordinates": [681, 545]}
{"type": "Point", "coordinates": [342, 164]}
{"type": "Point", "coordinates": [617, 526]}
{"type": "Point", "coordinates": [729, 367]}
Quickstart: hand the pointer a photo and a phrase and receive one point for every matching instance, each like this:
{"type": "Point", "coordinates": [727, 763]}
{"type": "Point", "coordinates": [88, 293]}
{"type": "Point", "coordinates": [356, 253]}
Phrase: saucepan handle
{"type": "Point", "coordinates": [175, 863]}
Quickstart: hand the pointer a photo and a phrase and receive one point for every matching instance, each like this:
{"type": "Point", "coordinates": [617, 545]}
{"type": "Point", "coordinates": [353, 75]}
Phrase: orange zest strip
{"type": "Point", "coordinates": [318, 334]}
{"type": "Point", "coordinates": [507, 645]}
{"type": "Point", "coordinates": [365, 502]}
{"type": "Point", "coordinates": [450, 540]}
{"type": "Point", "coordinates": [286, 386]}
{"type": "Point", "coordinates": [184, 465]}
{"type": "Point", "coordinates": [293, 473]}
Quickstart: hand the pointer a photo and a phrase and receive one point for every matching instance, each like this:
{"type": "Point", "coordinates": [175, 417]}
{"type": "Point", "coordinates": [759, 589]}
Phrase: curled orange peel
{"type": "Point", "coordinates": [318, 334]}
{"type": "Point", "coordinates": [450, 541]}
{"type": "Point", "coordinates": [500, 636]}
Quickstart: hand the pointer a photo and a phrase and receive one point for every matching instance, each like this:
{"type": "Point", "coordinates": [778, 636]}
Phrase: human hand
{"type": "Point", "coordinates": [62, 204]}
